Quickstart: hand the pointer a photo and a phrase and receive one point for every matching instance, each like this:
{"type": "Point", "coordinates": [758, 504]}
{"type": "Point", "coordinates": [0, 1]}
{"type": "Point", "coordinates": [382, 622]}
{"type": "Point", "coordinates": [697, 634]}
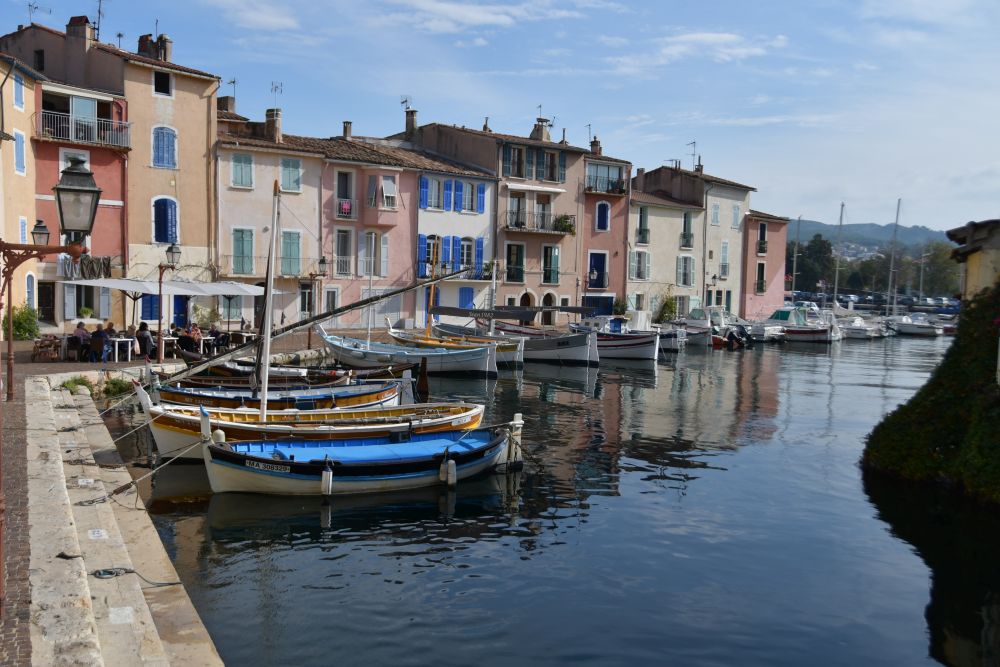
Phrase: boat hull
{"type": "Point", "coordinates": [475, 362]}
{"type": "Point", "coordinates": [354, 396]}
{"type": "Point", "coordinates": [549, 347]}
{"type": "Point", "coordinates": [628, 346]}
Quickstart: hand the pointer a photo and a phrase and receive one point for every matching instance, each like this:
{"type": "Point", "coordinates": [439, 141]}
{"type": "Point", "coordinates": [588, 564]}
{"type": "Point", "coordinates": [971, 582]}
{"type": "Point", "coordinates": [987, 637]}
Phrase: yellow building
{"type": "Point", "coordinates": [979, 255]}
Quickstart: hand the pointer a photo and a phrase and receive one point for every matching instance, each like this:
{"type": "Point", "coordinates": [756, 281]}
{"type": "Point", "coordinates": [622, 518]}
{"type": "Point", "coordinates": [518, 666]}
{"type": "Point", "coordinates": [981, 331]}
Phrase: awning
{"type": "Point", "coordinates": [224, 288]}
{"type": "Point", "coordinates": [521, 187]}
{"type": "Point", "coordinates": [138, 286]}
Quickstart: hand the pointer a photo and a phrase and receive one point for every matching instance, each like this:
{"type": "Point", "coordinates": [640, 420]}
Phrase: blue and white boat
{"type": "Point", "coordinates": [474, 362]}
{"type": "Point", "coordinates": [359, 465]}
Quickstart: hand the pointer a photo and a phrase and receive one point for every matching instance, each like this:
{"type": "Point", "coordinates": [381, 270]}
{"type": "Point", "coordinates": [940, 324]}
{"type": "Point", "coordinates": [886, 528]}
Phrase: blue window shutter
{"type": "Point", "coordinates": [529, 160]}
{"type": "Point", "coordinates": [160, 220]}
{"type": "Point", "coordinates": [19, 161]}
{"type": "Point", "coordinates": [506, 160]}
{"type": "Point", "coordinates": [481, 198]}
{"type": "Point", "coordinates": [170, 141]}
{"type": "Point", "coordinates": [479, 257]}
{"type": "Point", "coordinates": [421, 255]}
{"type": "Point", "coordinates": [69, 302]}
{"type": "Point", "coordinates": [423, 192]}
{"type": "Point", "coordinates": [445, 258]}
{"type": "Point", "coordinates": [18, 91]}
{"type": "Point", "coordinates": [602, 216]}
{"type": "Point", "coordinates": [446, 204]}
{"type": "Point", "coordinates": [171, 221]}
{"type": "Point", "coordinates": [456, 253]}
{"type": "Point", "coordinates": [562, 167]}
{"type": "Point", "coordinates": [458, 195]}
{"type": "Point", "coordinates": [466, 297]}
{"type": "Point", "coordinates": [540, 169]}
{"type": "Point", "coordinates": [150, 306]}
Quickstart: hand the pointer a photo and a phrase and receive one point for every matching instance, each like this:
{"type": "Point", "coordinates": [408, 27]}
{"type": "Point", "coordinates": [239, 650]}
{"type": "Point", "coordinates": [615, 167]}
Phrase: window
{"type": "Point", "coordinates": [551, 167]}
{"type": "Point", "coordinates": [516, 162]}
{"type": "Point", "coordinates": [162, 84]}
{"type": "Point", "coordinates": [243, 251]}
{"type": "Point", "coordinates": [232, 307]}
{"type": "Point", "coordinates": [715, 214]}
{"type": "Point", "coordinates": [330, 300]}
{"type": "Point", "coordinates": [638, 265]}
{"type": "Point", "coordinates": [342, 260]}
{"type": "Point", "coordinates": [291, 264]}
{"type": "Point", "coordinates": [366, 254]}
{"type": "Point", "coordinates": [291, 174]}
{"type": "Point", "coordinates": [150, 307]}
{"type": "Point", "coordinates": [604, 178]}
{"type": "Point", "coordinates": [23, 225]}
{"type": "Point", "coordinates": [40, 60]}
{"type": "Point", "coordinates": [20, 164]}
{"type": "Point", "coordinates": [242, 171]}
{"type": "Point", "coordinates": [345, 194]}
{"type": "Point", "coordinates": [389, 191]}
{"type": "Point", "coordinates": [18, 92]}
{"type": "Point", "coordinates": [164, 220]}
{"type": "Point", "coordinates": [305, 300]}
{"type": "Point", "coordinates": [564, 301]}
{"type": "Point", "coordinates": [550, 264]}
{"type": "Point", "coordinates": [761, 282]}
{"type": "Point", "coordinates": [29, 291]}
{"type": "Point", "coordinates": [642, 233]}
{"type": "Point", "coordinates": [602, 220]}
{"type": "Point", "coordinates": [372, 191]}
{"type": "Point", "coordinates": [724, 260]}
{"type": "Point", "coordinates": [466, 297]}
{"type": "Point", "coordinates": [736, 216]}
{"type": "Point", "coordinates": [434, 193]}
{"type": "Point", "coordinates": [433, 249]}
{"type": "Point", "coordinates": [164, 148]}
{"type": "Point", "coordinates": [469, 197]}
{"type": "Point", "coordinates": [685, 271]}
{"type": "Point", "coordinates": [762, 238]}
{"type": "Point", "coordinates": [467, 253]}
{"type": "Point", "coordinates": [515, 263]}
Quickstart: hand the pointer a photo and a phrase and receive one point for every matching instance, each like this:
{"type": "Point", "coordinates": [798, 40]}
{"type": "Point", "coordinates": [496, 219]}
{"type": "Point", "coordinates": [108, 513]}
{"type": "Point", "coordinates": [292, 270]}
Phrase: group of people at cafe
{"type": "Point", "coordinates": [99, 343]}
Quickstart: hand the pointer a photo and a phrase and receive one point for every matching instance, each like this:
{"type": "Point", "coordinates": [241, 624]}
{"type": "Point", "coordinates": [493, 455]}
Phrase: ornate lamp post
{"type": "Point", "coordinates": [77, 196]}
{"type": "Point", "coordinates": [173, 259]}
{"type": "Point", "coordinates": [322, 270]}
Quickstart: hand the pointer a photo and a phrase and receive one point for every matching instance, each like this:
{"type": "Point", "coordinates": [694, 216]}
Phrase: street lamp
{"type": "Point", "coordinates": [322, 270]}
{"type": "Point", "coordinates": [593, 277]}
{"type": "Point", "coordinates": [76, 197]}
{"type": "Point", "coordinates": [173, 259]}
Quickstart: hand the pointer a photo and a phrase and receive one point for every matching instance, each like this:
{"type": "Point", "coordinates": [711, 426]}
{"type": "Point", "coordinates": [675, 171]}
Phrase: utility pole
{"type": "Point", "coordinates": [892, 259]}
{"type": "Point", "coordinates": [836, 272]}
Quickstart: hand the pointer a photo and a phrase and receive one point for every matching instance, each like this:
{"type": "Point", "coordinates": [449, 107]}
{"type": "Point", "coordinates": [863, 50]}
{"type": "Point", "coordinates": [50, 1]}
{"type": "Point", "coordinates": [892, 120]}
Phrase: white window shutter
{"type": "Point", "coordinates": [104, 303]}
{"type": "Point", "coordinates": [385, 256]}
{"type": "Point", "coordinates": [631, 264]}
{"type": "Point", "coordinates": [362, 252]}
{"type": "Point", "coordinates": [69, 302]}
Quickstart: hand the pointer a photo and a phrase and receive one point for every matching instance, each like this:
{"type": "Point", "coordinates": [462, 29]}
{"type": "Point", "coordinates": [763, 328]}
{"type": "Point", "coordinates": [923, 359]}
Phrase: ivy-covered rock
{"type": "Point", "coordinates": [950, 430]}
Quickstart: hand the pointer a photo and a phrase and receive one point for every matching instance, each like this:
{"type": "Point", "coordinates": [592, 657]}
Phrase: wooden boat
{"type": "Point", "coordinates": [509, 351]}
{"type": "Point", "coordinates": [473, 362]}
{"type": "Point", "coordinates": [800, 327]}
{"type": "Point", "coordinates": [176, 427]}
{"type": "Point", "coordinates": [620, 343]}
{"type": "Point", "coordinates": [359, 465]}
{"type": "Point", "coordinates": [551, 346]}
{"type": "Point", "coordinates": [672, 339]}
{"type": "Point", "coordinates": [250, 382]}
{"type": "Point", "coordinates": [352, 396]}
{"type": "Point", "coordinates": [245, 368]}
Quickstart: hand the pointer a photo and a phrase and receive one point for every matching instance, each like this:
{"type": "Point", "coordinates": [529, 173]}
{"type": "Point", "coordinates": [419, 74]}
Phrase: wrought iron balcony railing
{"type": "Point", "coordinates": [642, 236]}
{"type": "Point", "coordinates": [724, 270]}
{"type": "Point", "coordinates": [514, 274]}
{"type": "Point", "coordinates": [606, 185]}
{"type": "Point", "coordinates": [761, 286]}
{"type": "Point", "coordinates": [344, 209]}
{"type": "Point", "coordinates": [524, 221]}
{"type": "Point", "coordinates": [84, 130]}
{"type": "Point", "coordinates": [550, 275]}
{"type": "Point", "coordinates": [761, 246]}
{"type": "Point", "coordinates": [687, 240]}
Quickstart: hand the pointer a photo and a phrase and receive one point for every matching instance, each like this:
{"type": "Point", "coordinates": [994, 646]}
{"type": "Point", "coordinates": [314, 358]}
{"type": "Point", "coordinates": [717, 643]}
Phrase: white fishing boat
{"type": "Point", "coordinates": [473, 362]}
{"type": "Point", "coordinates": [702, 324]}
{"type": "Point", "coordinates": [672, 338]}
{"type": "Point", "coordinates": [798, 327]}
{"type": "Point", "coordinates": [914, 325]}
{"type": "Point", "coordinates": [616, 342]}
{"type": "Point", "coordinates": [859, 328]}
{"type": "Point", "coordinates": [176, 428]}
{"type": "Point", "coordinates": [509, 352]}
{"type": "Point", "coordinates": [552, 346]}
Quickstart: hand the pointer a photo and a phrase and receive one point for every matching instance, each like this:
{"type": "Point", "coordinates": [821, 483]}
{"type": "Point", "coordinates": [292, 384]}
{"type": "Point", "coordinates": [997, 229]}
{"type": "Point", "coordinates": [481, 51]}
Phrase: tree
{"type": "Point", "coordinates": [819, 252]}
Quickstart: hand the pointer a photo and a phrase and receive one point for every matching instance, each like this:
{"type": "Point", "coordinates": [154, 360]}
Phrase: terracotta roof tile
{"type": "Point", "coordinates": [18, 64]}
{"type": "Point", "coordinates": [641, 197]}
{"type": "Point", "coordinates": [513, 138]}
{"type": "Point", "coordinates": [231, 116]}
{"type": "Point", "coordinates": [769, 216]}
{"type": "Point", "coordinates": [153, 62]}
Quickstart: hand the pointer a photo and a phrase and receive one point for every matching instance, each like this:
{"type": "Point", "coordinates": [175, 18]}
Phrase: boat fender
{"type": "Point", "coordinates": [218, 436]}
{"type": "Point", "coordinates": [451, 473]}
{"type": "Point", "coordinates": [326, 485]}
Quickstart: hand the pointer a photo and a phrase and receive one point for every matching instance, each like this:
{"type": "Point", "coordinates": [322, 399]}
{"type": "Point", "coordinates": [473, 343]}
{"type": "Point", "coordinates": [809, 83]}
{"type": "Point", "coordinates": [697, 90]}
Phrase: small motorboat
{"type": "Point", "coordinates": [914, 325]}
{"type": "Point", "coordinates": [546, 346]}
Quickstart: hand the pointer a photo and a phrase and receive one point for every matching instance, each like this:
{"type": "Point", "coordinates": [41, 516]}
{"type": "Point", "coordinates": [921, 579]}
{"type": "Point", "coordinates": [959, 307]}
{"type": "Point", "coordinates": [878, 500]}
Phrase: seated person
{"type": "Point", "coordinates": [185, 341]}
{"type": "Point", "coordinates": [145, 340]}
{"type": "Point", "coordinates": [81, 332]}
{"type": "Point", "coordinates": [99, 343]}
{"type": "Point", "coordinates": [221, 339]}
{"type": "Point", "coordinates": [109, 329]}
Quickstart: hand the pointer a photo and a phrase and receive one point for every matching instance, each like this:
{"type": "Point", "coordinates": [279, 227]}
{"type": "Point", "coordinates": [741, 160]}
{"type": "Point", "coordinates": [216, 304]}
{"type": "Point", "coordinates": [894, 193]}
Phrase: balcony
{"type": "Point", "coordinates": [687, 240]}
{"type": "Point", "coordinates": [550, 275]}
{"type": "Point", "coordinates": [642, 236]}
{"type": "Point", "coordinates": [605, 185]}
{"type": "Point", "coordinates": [256, 267]}
{"type": "Point", "coordinates": [58, 126]}
{"type": "Point", "coordinates": [597, 280]}
{"type": "Point", "coordinates": [342, 265]}
{"type": "Point", "coordinates": [514, 274]}
{"type": "Point", "coordinates": [761, 247]}
{"type": "Point", "coordinates": [544, 223]}
{"type": "Point", "coordinates": [724, 270]}
{"type": "Point", "coordinates": [760, 287]}
{"type": "Point", "coordinates": [344, 209]}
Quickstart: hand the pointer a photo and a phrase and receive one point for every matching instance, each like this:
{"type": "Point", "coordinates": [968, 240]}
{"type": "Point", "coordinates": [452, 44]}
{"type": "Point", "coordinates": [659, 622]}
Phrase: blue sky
{"type": "Point", "coordinates": [811, 102]}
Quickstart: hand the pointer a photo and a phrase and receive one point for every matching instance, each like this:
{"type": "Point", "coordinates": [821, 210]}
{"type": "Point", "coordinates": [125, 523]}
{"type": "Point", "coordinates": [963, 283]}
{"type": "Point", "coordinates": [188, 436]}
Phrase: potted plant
{"type": "Point", "coordinates": [563, 223]}
{"type": "Point", "coordinates": [619, 307]}
{"type": "Point", "coordinates": [85, 312]}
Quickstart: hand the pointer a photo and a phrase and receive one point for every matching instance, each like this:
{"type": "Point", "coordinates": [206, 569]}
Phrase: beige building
{"type": "Point", "coordinates": [978, 253]}
{"type": "Point", "coordinates": [17, 171]}
{"type": "Point", "coordinates": [171, 111]}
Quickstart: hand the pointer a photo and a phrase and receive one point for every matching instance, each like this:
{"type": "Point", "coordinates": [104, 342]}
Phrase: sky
{"type": "Point", "coordinates": [811, 102]}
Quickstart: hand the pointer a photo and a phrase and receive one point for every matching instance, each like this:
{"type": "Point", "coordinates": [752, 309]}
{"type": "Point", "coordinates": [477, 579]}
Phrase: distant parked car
{"type": "Point", "coordinates": [906, 300]}
{"type": "Point", "coordinates": [928, 301]}
{"type": "Point", "coordinates": [807, 304]}
{"type": "Point", "coordinates": [941, 301]}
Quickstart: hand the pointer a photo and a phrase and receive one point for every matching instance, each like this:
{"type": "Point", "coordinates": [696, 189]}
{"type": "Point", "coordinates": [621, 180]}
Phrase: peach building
{"type": "Point", "coordinates": [764, 241]}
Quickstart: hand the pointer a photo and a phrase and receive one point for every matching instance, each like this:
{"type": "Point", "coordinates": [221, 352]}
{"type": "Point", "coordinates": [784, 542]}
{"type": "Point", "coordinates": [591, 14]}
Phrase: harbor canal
{"type": "Point", "coordinates": [705, 510]}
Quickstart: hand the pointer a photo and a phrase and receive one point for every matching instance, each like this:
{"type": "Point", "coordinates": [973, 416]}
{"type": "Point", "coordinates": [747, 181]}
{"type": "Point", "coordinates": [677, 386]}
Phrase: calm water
{"type": "Point", "coordinates": [707, 510]}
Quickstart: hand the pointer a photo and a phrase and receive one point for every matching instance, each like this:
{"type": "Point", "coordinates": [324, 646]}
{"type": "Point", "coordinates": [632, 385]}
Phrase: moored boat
{"type": "Point", "coordinates": [553, 347]}
{"type": "Point", "coordinates": [915, 325]}
{"type": "Point", "coordinates": [354, 396]}
{"type": "Point", "coordinates": [509, 352]}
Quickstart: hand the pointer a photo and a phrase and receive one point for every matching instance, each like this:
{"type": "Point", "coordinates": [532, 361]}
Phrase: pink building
{"type": "Point", "coordinates": [603, 234]}
{"type": "Point", "coordinates": [764, 241]}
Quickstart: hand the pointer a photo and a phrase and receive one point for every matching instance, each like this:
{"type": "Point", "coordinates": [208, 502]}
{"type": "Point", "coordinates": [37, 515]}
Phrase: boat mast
{"type": "Point", "coordinates": [836, 272]}
{"type": "Point", "coordinates": [892, 256]}
{"type": "Point", "coordinates": [795, 255]}
{"type": "Point", "coordinates": [371, 272]}
{"type": "Point", "coordinates": [268, 315]}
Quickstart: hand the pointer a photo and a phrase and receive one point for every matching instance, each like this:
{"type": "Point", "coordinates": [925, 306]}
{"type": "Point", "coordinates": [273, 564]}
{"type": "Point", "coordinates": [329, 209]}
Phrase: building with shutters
{"type": "Point", "coordinates": [603, 234]}
{"type": "Point", "coordinates": [160, 117]}
{"type": "Point", "coordinates": [764, 242]}
{"type": "Point", "coordinates": [662, 254]}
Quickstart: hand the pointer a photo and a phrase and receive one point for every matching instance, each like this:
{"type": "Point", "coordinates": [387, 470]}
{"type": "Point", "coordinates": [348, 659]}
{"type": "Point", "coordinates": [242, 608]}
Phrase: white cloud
{"type": "Point", "coordinates": [478, 41]}
{"type": "Point", "coordinates": [613, 41]}
{"type": "Point", "coordinates": [718, 46]}
{"type": "Point", "coordinates": [934, 12]}
{"type": "Point", "coordinates": [257, 14]}
{"type": "Point", "coordinates": [447, 16]}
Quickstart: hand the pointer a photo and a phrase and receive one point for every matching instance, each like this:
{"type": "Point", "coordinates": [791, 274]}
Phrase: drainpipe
{"type": "Point", "coordinates": [123, 224]}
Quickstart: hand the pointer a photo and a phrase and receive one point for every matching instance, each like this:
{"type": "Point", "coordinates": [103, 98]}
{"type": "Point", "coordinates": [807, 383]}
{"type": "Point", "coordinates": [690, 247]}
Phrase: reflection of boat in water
{"type": "Point", "coordinates": [631, 372]}
{"type": "Point", "coordinates": [234, 513]}
{"type": "Point", "coordinates": [580, 378]}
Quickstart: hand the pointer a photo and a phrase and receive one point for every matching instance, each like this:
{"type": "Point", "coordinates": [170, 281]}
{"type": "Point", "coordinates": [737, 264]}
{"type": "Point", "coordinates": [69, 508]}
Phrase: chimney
{"type": "Point", "coordinates": [595, 145]}
{"type": "Point", "coordinates": [486, 125]}
{"type": "Point", "coordinates": [640, 179]}
{"type": "Point", "coordinates": [563, 141]}
{"type": "Point", "coordinates": [147, 47]}
{"type": "Point", "coordinates": [80, 28]}
{"type": "Point", "coordinates": [272, 125]}
{"type": "Point", "coordinates": [411, 124]}
{"type": "Point", "coordinates": [164, 48]}
{"type": "Point", "coordinates": [540, 132]}
{"type": "Point", "coordinates": [698, 169]}
{"type": "Point", "coordinates": [347, 129]}
{"type": "Point", "coordinates": [226, 103]}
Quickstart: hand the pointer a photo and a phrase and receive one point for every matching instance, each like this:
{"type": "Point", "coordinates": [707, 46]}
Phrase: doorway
{"type": "Point", "coordinates": [526, 301]}
{"type": "Point", "coordinates": [548, 316]}
{"type": "Point", "coordinates": [181, 310]}
{"type": "Point", "coordinates": [47, 301]}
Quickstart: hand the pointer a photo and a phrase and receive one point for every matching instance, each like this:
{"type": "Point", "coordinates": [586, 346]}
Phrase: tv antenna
{"type": "Point", "coordinates": [539, 110]}
{"type": "Point", "coordinates": [100, 15]}
{"type": "Point", "coordinates": [404, 101]}
{"type": "Point", "coordinates": [589, 136]}
{"type": "Point", "coordinates": [277, 88]}
{"type": "Point", "coordinates": [232, 82]}
{"type": "Point", "coordinates": [33, 7]}
{"type": "Point", "coordinates": [119, 36]}
{"type": "Point", "coordinates": [694, 151]}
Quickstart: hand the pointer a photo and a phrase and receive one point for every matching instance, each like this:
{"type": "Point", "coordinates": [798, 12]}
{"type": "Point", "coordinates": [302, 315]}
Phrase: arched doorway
{"type": "Point", "coordinates": [548, 316]}
{"type": "Point", "coordinates": [526, 301]}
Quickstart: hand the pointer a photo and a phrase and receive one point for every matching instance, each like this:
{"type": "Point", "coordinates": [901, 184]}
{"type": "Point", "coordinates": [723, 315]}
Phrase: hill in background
{"type": "Point", "coordinates": [866, 234]}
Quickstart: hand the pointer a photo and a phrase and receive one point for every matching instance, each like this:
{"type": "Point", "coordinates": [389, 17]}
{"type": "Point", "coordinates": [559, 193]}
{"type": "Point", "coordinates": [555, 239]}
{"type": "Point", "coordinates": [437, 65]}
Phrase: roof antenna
{"type": "Point", "coordinates": [100, 15]}
{"type": "Point", "coordinates": [33, 7]}
{"type": "Point", "coordinates": [404, 101]}
{"type": "Point", "coordinates": [232, 82]}
{"type": "Point", "coordinates": [589, 136]}
{"type": "Point", "coordinates": [156, 29]}
{"type": "Point", "coordinates": [119, 36]}
{"type": "Point", "coordinates": [277, 88]}
{"type": "Point", "coordinates": [539, 111]}
{"type": "Point", "coordinates": [694, 149]}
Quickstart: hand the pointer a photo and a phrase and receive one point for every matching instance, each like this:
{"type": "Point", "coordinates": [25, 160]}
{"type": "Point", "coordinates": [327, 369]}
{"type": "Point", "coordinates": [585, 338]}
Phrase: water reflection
{"type": "Point", "coordinates": [960, 542]}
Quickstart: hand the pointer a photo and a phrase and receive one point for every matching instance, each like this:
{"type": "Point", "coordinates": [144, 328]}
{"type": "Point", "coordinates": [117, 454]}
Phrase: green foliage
{"type": "Point", "coordinates": [85, 312]}
{"type": "Point", "coordinates": [79, 381]}
{"type": "Point", "coordinates": [205, 317]}
{"type": "Point", "coordinates": [25, 323]}
{"type": "Point", "coordinates": [667, 309]}
{"type": "Point", "coordinates": [117, 387]}
{"type": "Point", "coordinates": [619, 307]}
{"type": "Point", "coordinates": [948, 430]}
{"type": "Point", "coordinates": [563, 223]}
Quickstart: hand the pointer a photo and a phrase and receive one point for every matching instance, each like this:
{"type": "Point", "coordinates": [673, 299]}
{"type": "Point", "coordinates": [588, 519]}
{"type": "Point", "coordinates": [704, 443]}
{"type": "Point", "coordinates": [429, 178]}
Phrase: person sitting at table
{"type": "Point", "coordinates": [109, 329]}
{"type": "Point", "coordinates": [145, 340]}
{"type": "Point", "coordinates": [184, 340]}
{"type": "Point", "coordinates": [81, 332]}
{"type": "Point", "coordinates": [221, 338]}
{"type": "Point", "coordinates": [99, 343]}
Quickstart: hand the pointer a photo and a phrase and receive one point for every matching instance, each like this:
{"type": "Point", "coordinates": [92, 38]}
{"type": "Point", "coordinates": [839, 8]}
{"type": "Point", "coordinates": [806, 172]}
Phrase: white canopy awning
{"type": "Point", "coordinates": [522, 187]}
{"type": "Point", "coordinates": [138, 286]}
{"type": "Point", "coordinates": [227, 288]}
